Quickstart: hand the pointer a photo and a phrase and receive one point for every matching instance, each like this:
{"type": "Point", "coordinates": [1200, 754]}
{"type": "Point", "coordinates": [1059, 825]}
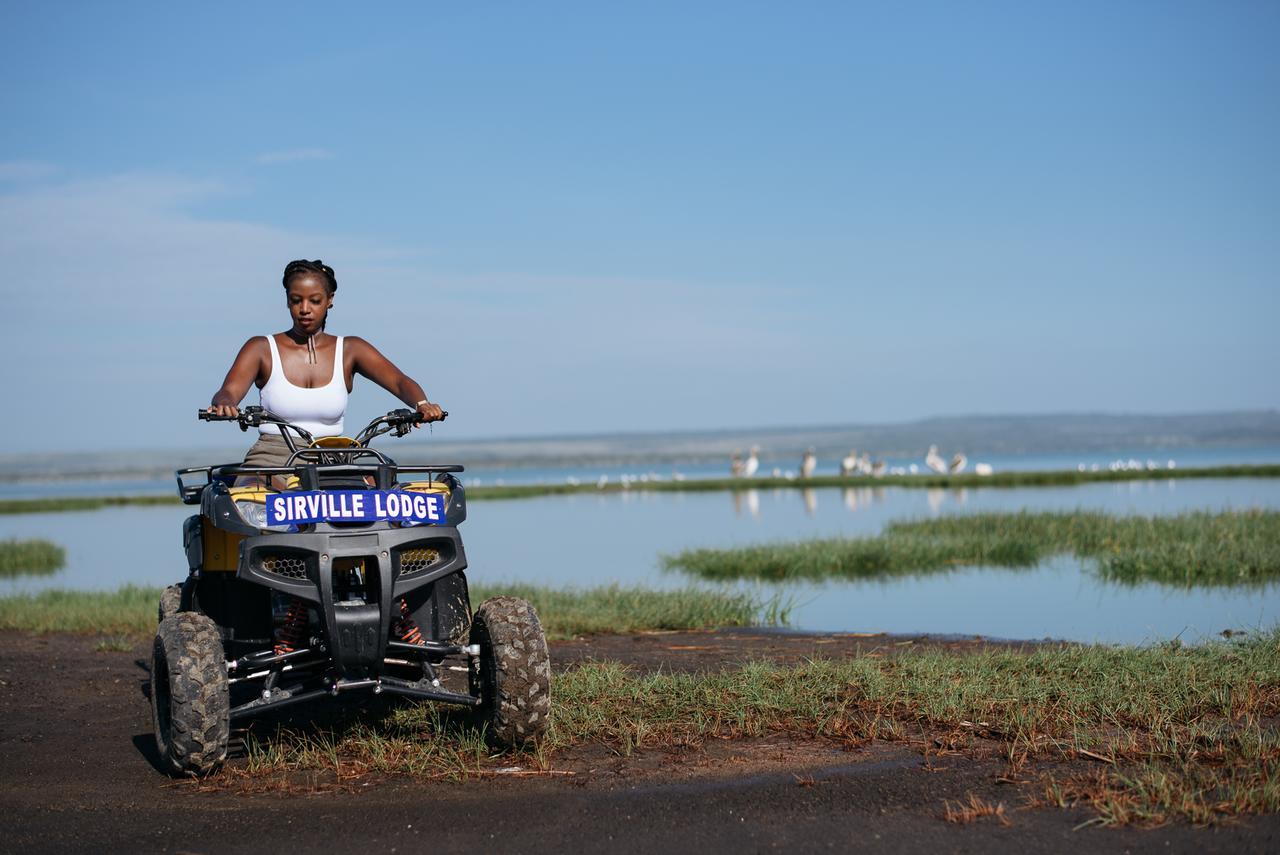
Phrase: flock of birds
{"type": "Point", "coordinates": [856, 464]}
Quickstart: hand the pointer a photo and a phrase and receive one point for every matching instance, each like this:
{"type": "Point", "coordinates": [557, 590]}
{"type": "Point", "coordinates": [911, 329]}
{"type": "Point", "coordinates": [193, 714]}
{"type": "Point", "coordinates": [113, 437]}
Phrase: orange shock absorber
{"type": "Point", "coordinates": [294, 632]}
{"type": "Point", "coordinates": [406, 628]}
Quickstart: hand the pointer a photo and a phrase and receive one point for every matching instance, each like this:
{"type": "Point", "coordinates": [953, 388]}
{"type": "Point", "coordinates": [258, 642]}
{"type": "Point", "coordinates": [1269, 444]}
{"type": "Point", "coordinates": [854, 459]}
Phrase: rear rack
{"type": "Point", "coordinates": [308, 474]}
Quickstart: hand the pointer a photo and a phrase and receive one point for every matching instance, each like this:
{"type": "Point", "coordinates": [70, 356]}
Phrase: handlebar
{"type": "Point", "coordinates": [400, 421]}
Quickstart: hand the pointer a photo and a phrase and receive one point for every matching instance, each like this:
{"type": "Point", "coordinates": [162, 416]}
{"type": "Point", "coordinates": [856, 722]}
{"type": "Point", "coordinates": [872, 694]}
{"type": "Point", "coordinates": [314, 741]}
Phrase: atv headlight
{"type": "Point", "coordinates": [255, 514]}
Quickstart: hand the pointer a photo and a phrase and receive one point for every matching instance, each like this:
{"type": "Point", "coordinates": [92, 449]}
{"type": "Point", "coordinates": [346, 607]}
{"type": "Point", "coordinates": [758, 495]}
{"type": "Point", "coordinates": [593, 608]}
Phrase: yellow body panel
{"type": "Point", "coordinates": [221, 548]}
{"type": "Point", "coordinates": [427, 487]}
{"type": "Point", "coordinates": [254, 493]}
{"type": "Point", "coordinates": [335, 442]}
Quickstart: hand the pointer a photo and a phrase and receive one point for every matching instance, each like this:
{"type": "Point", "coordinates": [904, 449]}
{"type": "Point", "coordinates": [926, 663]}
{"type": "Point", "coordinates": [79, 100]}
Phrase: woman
{"type": "Point", "coordinates": [304, 373]}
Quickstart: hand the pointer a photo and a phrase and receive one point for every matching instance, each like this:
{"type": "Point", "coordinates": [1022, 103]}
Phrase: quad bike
{"type": "Point", "coordinates": [329, 577]}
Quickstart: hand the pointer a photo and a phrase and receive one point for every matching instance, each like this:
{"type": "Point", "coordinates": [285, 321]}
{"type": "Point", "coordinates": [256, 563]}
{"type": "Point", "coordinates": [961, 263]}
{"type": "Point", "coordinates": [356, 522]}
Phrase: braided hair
{"type": "Point", "coordinates": [318, 267]}
{"type": "Point", "coordinates": [302, 267]}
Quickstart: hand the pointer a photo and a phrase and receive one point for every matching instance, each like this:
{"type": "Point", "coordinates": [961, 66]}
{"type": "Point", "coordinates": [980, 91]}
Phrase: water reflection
{"type": "Point", "coordinates": [810, 498]}
{"type": "Point", "coordinates": [585, 540]}
{"type": "Point", "coordinates": [748, 499]}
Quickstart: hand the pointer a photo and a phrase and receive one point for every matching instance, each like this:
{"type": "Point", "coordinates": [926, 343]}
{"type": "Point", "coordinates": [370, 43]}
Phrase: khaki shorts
{"type": "Point", "coordinates": [269, 450]}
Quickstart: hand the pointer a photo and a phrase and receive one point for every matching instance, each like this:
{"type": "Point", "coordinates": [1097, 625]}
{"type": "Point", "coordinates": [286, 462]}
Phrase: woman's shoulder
{"type": "Point", "coordinates": [257, 344]}
{"type": "Point", "coordinates": [355, 344]}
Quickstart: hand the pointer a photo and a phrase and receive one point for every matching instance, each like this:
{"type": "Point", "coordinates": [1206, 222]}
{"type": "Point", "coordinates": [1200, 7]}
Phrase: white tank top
{"type": "Point", "coordinates": [318, 411]}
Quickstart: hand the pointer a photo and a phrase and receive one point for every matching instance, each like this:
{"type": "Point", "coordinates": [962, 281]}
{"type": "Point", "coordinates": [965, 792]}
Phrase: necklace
{"type": "Point", "coordinates": [312, 357]}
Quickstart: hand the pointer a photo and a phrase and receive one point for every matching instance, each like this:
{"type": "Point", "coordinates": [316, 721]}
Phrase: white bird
{"type": "Point", "coordinates": [983, 468]}
{"type": "Point", "coordinates": [958, 463]}
{"type": "Point", "coordinates": [735, 465]}
{"type": "Point", "coordinates": [934, 461]}
{"type": "Point", "coordinates": [808, 463]}
{"type": "Point", "coordinates": [849, 464]}
{"type": "Point", "coordinates": [864, 463]}
{"type": "Point", "coordinates": [753, 463]}
{"type": "Point", "coordinates": [877, 469]}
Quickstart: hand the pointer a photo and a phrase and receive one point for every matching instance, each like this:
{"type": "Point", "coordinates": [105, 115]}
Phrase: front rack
{"type": "Point", "coordinates": [309, 474]}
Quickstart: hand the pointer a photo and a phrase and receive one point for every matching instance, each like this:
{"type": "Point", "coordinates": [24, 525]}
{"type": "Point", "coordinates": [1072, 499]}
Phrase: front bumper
{"type": "Point", "coordinates": [302, 565]}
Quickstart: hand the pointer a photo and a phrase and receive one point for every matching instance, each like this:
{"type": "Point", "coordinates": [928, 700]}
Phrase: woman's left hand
{"type": "Point", "coordinates": [430, 413]}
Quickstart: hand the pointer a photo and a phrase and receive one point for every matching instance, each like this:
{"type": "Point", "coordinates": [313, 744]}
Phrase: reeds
{"type": "Point", "coordinates": [30, 558]}
{"type": "Point", "coordinates": [1200, 548]}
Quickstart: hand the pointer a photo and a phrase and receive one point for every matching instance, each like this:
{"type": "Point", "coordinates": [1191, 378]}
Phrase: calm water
{"type": "Point", "coordinates": [589, 540]}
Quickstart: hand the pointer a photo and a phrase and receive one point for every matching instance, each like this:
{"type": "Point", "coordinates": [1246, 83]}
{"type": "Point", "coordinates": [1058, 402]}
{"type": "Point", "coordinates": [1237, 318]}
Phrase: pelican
{"type": "Point", "coordinates": [849, 464]}
{"type": "Point", "coordinates": [808, 463]}
{"type": "Point", "coordinates": [864, 464]}
{"type": "Point", "coordinates": [877, 469]}
{"type": "Point", "coordinates": [983, 469]}
{"type": "Point", "coordinates": [753, 463]}
{"type": "Point", "coordinates": [958, 463]}
{"type": "Point", "coordinates": [735, 465]}
{"type": "Point", "coordinates": [934, 461]}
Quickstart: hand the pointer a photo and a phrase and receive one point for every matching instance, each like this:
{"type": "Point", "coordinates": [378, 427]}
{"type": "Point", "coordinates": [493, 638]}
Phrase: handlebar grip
{"type": "Point", "coordinates": [416, 418]}
{"type": "Point", "coordinates": [206, 416]}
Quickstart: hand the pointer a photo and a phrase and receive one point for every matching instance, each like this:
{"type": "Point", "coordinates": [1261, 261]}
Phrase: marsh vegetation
{"type": "Point", "coordinates": [1189, 549]}
{"type": "Point", "coordinates": [30, 557]}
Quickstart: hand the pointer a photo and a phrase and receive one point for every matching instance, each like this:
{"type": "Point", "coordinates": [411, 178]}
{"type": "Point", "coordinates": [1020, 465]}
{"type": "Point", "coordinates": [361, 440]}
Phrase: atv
{"type": "Point", "coordinates": [329, 577]}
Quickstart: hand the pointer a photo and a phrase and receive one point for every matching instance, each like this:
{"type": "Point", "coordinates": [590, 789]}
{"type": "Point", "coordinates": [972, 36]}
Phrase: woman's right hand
{"type": "Point", "coordinates": [227, 411]}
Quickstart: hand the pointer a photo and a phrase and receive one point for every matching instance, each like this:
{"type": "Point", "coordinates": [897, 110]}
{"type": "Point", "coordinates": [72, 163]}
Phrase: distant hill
{"type": "Point", "coordinates": [991, 434]}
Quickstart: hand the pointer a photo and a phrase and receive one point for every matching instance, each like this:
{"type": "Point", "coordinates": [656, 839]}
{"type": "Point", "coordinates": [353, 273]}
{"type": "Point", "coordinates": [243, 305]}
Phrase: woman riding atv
{"type": "Point", "coordinates": [305, 374]}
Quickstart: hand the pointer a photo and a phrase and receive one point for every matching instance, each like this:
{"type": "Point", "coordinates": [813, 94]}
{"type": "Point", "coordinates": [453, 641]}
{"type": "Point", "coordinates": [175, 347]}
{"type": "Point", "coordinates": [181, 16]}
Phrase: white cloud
{"type": "Point", "coordinates": [295, 155]}
{"type": "Point", "coordinates": [120, 299]}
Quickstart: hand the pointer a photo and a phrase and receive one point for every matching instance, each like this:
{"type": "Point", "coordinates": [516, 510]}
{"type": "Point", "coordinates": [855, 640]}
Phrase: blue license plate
{"type": "Point", "coordinates": [311, 506]}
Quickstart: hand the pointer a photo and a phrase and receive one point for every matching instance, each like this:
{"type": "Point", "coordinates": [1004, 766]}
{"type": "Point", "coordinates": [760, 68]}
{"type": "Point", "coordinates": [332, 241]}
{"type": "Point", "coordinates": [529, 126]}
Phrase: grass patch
{"type": "Point", "coordinates": [30, 558]}
{"type": "Point", "coordinates": [1190, 732]}
{"type": "Point", "coordinates": [1054, 478]}
{"type": "Point", "coordinates": [80, 503]}
{"type": "Point", "coordinates": [567, 612]}
{"type": "Point", "coordinates": [1192, 549]}
{"type": "Point", "coordinates": [131, 610]}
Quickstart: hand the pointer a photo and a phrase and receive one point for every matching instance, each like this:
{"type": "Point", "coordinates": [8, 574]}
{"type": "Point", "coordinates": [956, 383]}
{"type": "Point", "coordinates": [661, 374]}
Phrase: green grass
{"type": "Point", "coordinates": [1201, 549]}
{"type": "Point", "coordinates": [80, 503]}
{"type": "Point", "coordinates": [30, 558]}
{"type": "Point", "coordinates": [568, 612]}
{"type": "Point", "coordinates": [131, 610]}
{"type": "Point", "coordinates": [1191, 730]}
{"type": "Point", "coordinates": [1056, 478]}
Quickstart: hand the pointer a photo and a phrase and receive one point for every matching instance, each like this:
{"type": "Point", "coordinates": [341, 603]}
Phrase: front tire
{"type": "Point", "coordinates": [170, 601]}
{"type": "Point", "coordinates": [514, 676]}
{"type": "Point", "coordinates": [190, 695]}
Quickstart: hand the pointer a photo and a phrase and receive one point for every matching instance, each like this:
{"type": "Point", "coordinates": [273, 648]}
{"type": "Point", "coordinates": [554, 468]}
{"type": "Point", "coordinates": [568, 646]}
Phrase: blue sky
{"type": "Point", "coordinates": [569, 218]}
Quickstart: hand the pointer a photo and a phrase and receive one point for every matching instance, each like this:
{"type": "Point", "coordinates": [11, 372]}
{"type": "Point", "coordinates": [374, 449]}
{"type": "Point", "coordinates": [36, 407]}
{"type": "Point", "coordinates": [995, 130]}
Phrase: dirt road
{"type": "Point", "coordinates": [76, 775]}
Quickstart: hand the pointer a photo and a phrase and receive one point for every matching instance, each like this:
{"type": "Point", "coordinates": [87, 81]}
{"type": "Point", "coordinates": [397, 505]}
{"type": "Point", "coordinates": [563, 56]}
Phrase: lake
{"type": "Point", "coordinates": [587, 540]}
